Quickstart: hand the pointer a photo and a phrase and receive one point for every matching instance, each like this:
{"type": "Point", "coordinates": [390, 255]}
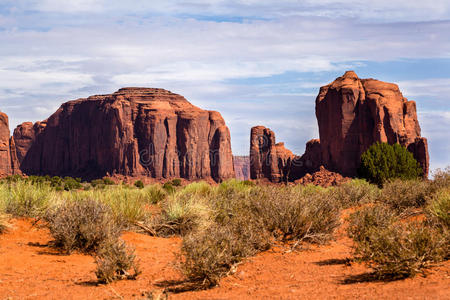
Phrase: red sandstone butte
{"type": "Point", "coordinates": [8, 158]}
{"type": "Point", "coordinates": [355, 113]}
{"type": "Point", "coordinates": [352, 114]}
{"type": "Point", "coordinates": [134, 131]}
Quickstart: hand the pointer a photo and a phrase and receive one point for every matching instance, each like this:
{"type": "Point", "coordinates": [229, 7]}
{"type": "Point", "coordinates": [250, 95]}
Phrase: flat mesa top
{"type": "Point", "coordinates": [144, 91]}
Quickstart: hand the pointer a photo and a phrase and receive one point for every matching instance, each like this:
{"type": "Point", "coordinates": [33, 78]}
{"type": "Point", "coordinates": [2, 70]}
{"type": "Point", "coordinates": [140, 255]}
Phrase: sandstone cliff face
{"type": "Point", "coordinates": [135, 131]}
{"type": "Point", "coordinates": [242, 167]}
{"type": "Point", "coordinates": [267, 158]}
{"type": "Point", "coordinates": [8, 159]}
{"type": "Point", "coordinates": [354, 113]}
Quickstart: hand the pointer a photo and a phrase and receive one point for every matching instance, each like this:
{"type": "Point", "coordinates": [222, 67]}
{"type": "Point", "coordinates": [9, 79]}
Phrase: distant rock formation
{"type": "Point", "coordinates": [8, 158]}
{"type": "Point", "coordinates": [135, 131]}
{"type": "Point", "coordinates": [242, 167]}
{"type": "Point", "coordinates": [273, 161]}
{"type": "Point", "coordinates": [355, 113]}
{"type": "Point", "coordinates": [352, 115]}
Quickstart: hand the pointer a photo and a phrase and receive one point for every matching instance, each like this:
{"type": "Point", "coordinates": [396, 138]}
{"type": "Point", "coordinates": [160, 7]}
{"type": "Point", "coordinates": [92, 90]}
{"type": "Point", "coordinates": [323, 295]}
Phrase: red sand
{"type": "Point", "coordinates": [30, 270]}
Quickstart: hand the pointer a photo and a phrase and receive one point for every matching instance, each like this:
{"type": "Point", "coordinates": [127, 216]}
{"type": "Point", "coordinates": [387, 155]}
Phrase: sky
{"type": "Point", "coordinates": [258, 62]}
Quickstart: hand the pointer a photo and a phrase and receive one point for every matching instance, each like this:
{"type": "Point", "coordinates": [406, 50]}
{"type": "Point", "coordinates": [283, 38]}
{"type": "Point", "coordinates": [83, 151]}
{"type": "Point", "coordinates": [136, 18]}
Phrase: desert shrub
{"type": "Point", "coordinates": [211, 254]}
{"type": "Point", "coordinates": [248, 182]}
{"type": "Point", "coordinates": [438, 209]}
{"type": "Point", "coordinates": [403, 195]}
{"type": "Point", "coordinates": [441, 179]}
{"type": "Point", "coordinates": [382, 162]}
{"type": "Point", "coordinates": [81, 225]}
{"type": "Point", "coordinates": [182, 213]}
{"type": "Point", "coordinates": [297, 214]}
{"type": "Point", "coordinates": [108, 181]}
{"type": "Point", "coordinates": [170, 189]}
{"type": "Point", "coordinates": [98, 183]}
{"type": "Point", "coordinates": [176, 182]}
{"type": "Point", "coordinates": [23, 198]}
{"type": "Point", "coordinates": [71, 183]}
{"type": "Point", "coordinates": [355, 192]}
{"type": "Point", "coordinates": [394, 249]}
{"type": "Point", "coordinates": [201, 188]}
{"type": "Point", "coordinates": [154, 193]}
{"type": "Point", "coordinates": [139, 184]}
{"type": "Point", "coordinates": [115, 261]}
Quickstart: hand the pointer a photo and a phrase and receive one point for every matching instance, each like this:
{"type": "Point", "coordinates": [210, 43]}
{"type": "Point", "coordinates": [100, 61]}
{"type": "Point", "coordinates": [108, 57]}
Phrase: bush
{"type": "Point", "coordinates": [82, 225]}
{"type": "Point", "coordinates": [355, 192]}
{"type": "Point", "coordinates": [176, 182]}
{"type": "Point", "coordinates": [394, 249]}
{"type": "Point", "coordinates": [212, 253]}
{"type": "Point", "coordinates": [403, 195]}
{"type": "Point", "coordinates": [438, 209]}
{"type": "Point", "coordinates": [98, 183]}
{"type": "Point", "coordinates": [169, 188]}
{"type": "Point", "coordinates": [114, 262]}
{"type": "Point", "coordinates": [108, 181]}
{"type": "Point", "coordinates": [139, 184]}
{"type": "Point", "coordinates": [24, 199]}
{"type": "Point", "coordinates": [182, 214]}
{"type": "Point", "coordinates": [155, 193]}
{"type": "Point", "coordinates": [71, 183]}
{"type": "Point", "coordinates": [382, 162]}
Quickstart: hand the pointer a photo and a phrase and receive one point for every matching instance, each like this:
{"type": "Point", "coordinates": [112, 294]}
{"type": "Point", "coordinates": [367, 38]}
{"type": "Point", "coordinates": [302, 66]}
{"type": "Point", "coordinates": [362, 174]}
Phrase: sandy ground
{"type": "Point", "coordinates": [31, 270]}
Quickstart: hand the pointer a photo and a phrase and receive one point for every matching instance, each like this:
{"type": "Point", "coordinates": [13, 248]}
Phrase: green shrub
{"type": "Point", "coordinates": [71, 184]}
{"type": "Point", "coordinates": [355, 192]}
{"type": "Point", "coordinates": [139, 184]}
{"type": "Point", "coordinates": [382, 162]}
{"type": "Point", "coordinates": [98, 183]}
{"type": "Point", "coordinates": [116, 261]}
{"type": "Point", "coordinates": [108, 181]}
{"type": "Point", "coordinates": [82, 225]}
{"type": "Point", "coordinates": [176, 182]}
{"type": "Point", "coordinates": [169, 188]}
{"type": "Point", "coordinates": [201, 188]}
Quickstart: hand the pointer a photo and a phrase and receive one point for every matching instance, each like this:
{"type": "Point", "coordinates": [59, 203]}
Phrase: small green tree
{"type": "Point", "coordinates": [382, 162]}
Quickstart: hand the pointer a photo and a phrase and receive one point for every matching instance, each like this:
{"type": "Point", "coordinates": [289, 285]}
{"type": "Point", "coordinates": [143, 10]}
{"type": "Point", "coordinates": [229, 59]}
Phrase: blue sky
{"type": "Point", "coordinates": [258, 62]}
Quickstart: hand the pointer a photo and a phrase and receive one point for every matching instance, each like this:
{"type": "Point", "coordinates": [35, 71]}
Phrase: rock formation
{"type": "Point", "coordinates": [352, 115]}
{"type": "Point", "coordinates": [273, 161]}
{"type": "Point", "coordinates": [323, 178]}
{"type": "Point", "coordinates": [355, 113]}
{"type": "Point", "coordinates": [242, 167]}
{"type": "Point", "coordinates": [135, 131]}
{"type": "Point", "coordinates": [8, 159]}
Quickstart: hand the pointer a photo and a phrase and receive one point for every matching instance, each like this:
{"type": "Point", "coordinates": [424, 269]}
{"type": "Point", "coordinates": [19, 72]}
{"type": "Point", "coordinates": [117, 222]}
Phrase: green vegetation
{"type": "Point", "coordinates": [398, 230]}
{"type": "Point", "coordinates": [139, 184]}
{"type": "Point", "coordinates": [382, 162]}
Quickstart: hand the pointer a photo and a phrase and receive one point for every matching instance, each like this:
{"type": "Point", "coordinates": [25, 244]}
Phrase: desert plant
{"type": "Point", "coordinates": [211, 254]}
{"type": "Point", "coordinates": [108, 181]}
{"type": "Point", "coordinates": [154, 193]}
{"type": "Point", "coordinates": [355, 192]}
{"type": "Point", "coordinates": [23, 198]}
{"type": "Point", "coordinates": [176, 182]}
{"type": "Point", "coordinates": [81, 225]}
{"type": "Point", "coordinates": [182, 213]}
{"type": "Point", "coordinates": [139, 184]}
{"type": "Point", "coordinates": [404, 195]}
{"type": "Point", "coordinates": [394, 249]}
{"type": "Point", "coordinates": [115, 261]}
{"type": "Point", "coordinates": [382, 162]}
{"type": "Point", "coordinates": [438, 209]}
